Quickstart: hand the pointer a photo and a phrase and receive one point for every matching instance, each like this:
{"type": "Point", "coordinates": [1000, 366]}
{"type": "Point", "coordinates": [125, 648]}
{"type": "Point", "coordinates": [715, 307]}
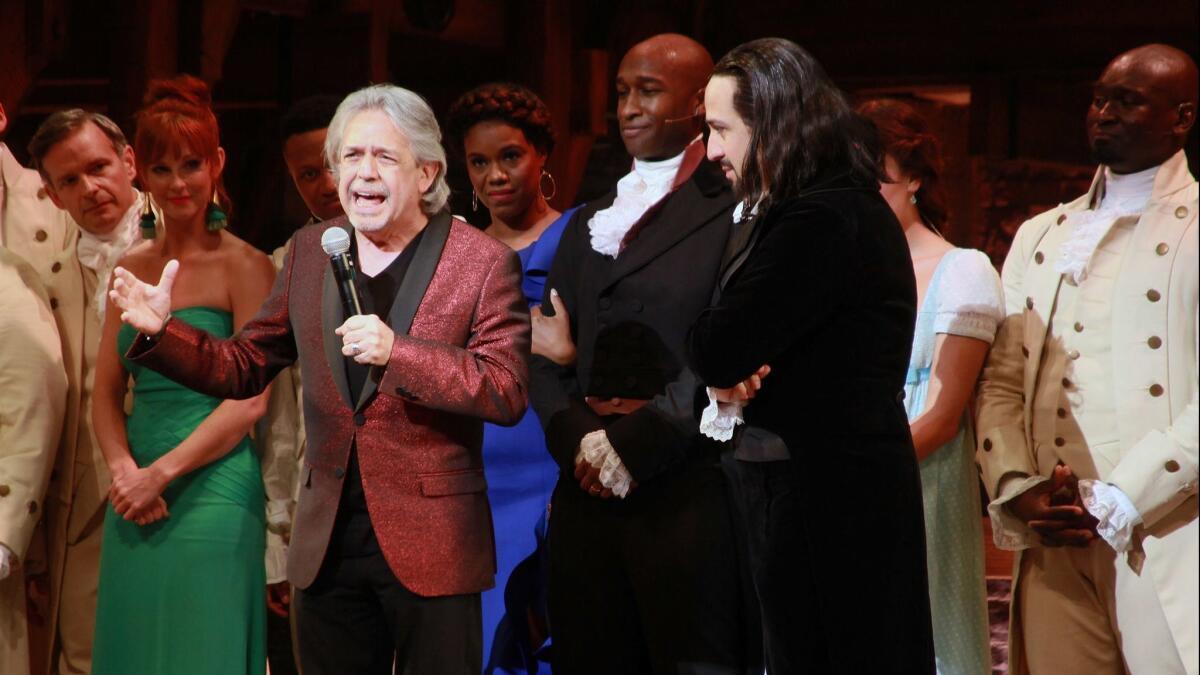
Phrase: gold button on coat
{"type": "Point", "coordinates": [1156, 390]}
{"type": "Point", "coordinates": [1073, 354]}
{"type": "Point", "coordinates": [1038, 257]}
{"type": "Point", "coordinates": [56, 267]}
{"type": "Point", "coordinates": [1181, 212]}
{"type": "Point", "coordinates": [4, 490]}
{"type": "Point", "coordinates": [1162, 248]}
{"type": "Point", "coordinates": [987, 444]}
{"type": "Point", "coordinates": [1078, 327]}
{"type": "Point", "coordinates": [1060, 441]}
{"type": "Point", "coordinates": [1153, 295]}
{"type": "Point", "coordinates": [40, 235]}
{"type": "Point", "coordinates": [1066, 383]}
{"type": "Point", "coordinates": [1171, 466]}
{"type": "Point", "coordinates": [1028, 303]}
{"type": "Point", "coordinates": [1155, 342]}
{"type": "Point", "coordinates": [1061, 218]}
{"type": "Point", "coordinates": [1062, 413]}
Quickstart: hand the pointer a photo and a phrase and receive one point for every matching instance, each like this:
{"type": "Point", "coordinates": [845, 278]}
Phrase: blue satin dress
{"type": "Point", "coordinates": [521, 476]}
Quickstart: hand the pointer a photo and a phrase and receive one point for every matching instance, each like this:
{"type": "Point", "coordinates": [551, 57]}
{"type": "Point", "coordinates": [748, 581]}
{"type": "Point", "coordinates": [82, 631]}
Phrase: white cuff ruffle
{"type": "Point", "coordinates": [595, 449]}
{"type": "Point", "coordinates": [719, 419]}
{"type": "Point", "coordinates": [1009, 533]}
{"type": "Point", "coordinates": [6, 561]}
{"type": "Point", "coordinates": [1117, 515]}
{"type": "Point", "coordinates": [279, 516]}
{"type": "Point", "coordinates": [275, 560]}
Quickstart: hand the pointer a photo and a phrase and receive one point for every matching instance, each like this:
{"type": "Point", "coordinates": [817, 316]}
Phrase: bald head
{"type": "Point", "coordinates": [660, 90]}
{"type": "Point", "coordinates": [1143, 107]}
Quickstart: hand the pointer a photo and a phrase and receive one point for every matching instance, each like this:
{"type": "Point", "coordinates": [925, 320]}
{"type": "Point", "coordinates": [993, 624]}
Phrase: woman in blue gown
{"type": "Point", "coordinates": [505, 134]}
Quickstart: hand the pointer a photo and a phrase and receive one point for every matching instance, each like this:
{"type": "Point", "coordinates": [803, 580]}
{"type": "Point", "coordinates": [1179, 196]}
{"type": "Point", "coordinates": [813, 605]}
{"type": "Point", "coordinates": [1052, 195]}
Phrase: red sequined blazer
{"type": "Point", "coordinates": [459, 359]}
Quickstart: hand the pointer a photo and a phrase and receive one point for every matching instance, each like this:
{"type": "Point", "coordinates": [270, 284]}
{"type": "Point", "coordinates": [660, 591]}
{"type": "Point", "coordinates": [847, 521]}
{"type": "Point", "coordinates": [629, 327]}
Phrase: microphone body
{"type": "Point", "coordinates": [336, 244]}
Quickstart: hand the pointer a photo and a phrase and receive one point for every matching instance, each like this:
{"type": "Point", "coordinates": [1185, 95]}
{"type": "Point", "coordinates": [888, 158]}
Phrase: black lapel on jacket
{"type": "Point", "coordinates": [691, 207]}
{"type": "Point", "coordinates": [331, 318]}
{"type": "Point", "coordinates": [412, 290]}
{"type": "Point", "coordinates": [743, 239]}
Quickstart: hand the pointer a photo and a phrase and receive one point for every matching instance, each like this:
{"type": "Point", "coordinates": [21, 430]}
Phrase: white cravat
{"type": "Point", "coordinates": [1124, 195]}
{"type": "Point", "coordinates": [100, 252]}
{"type": "Point", "coordinates": [642, 188]}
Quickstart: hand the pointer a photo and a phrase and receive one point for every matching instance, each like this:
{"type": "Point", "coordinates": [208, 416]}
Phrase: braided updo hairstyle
{"type": "Point", "coordinates": [177, 114]}
{"type": "Point", "coordinates": [505, 102]}
{"type": "Point", "coordinates": [905, 137]}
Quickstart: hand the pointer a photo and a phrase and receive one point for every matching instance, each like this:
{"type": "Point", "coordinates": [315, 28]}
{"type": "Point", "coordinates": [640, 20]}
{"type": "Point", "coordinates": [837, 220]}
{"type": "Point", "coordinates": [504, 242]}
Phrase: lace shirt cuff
{"type": "Point", "coordinates": [595, 449]}
{"type": "Point", "coordinates": [719, 419]}
{"type": "Point", "coordinates": [276, 559]}
{"type": "Point", "coordinates": [279, 516]}
{"type": "Point", "coordinates": [7, 561]}
{"type": "Point", "coordinates": [1117, 515]}
{"type": "Point", "coordinates": [1009, 532]}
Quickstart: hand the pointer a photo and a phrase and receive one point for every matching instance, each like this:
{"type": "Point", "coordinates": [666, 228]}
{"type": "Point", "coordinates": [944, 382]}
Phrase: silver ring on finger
{"type": "Point", "coordinates": [355, 348]}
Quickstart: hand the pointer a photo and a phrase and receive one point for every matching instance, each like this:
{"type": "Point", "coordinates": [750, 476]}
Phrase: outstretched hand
{"type": "Point", "coordinates": [143, 306]}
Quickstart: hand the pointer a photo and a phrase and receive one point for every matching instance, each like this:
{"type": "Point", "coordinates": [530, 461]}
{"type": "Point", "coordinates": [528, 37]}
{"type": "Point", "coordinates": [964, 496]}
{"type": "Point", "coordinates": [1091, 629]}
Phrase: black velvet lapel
{"type": "Point", "coordinates": [412, 290]}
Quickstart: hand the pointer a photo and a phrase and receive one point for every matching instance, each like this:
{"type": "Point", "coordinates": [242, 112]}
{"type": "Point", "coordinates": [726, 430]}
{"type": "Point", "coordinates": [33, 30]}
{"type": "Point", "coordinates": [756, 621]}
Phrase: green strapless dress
{"type": "Point", "coordinates": [184, 595]}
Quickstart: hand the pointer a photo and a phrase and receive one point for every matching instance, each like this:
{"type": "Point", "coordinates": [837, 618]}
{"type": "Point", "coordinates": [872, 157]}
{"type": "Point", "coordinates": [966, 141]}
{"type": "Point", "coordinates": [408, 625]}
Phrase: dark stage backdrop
{"type": "Point", "coordinates": [1005, 84]}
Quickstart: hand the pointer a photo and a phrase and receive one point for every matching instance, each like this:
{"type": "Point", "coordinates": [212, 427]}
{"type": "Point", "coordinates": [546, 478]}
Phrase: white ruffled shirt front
{"type": "Point", "coordinates": [1124, 195]}
{"type": "Point", "coordinates": [642, 188]}
{"type": "Point", "coordinates": [100, 252]}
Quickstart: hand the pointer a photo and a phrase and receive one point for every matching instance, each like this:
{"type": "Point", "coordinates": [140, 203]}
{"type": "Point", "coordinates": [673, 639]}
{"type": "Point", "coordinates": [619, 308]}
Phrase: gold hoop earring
{"type": "Point", "coordinates": [474, 200]}
{"type": "Point", "coordinates": [553, 185]}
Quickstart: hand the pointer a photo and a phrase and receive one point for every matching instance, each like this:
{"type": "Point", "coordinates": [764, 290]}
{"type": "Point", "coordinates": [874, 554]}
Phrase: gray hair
{"type": "Point", "coordinates": [412, 117]}
{"type": "Point", "coordinates": [64, 123]}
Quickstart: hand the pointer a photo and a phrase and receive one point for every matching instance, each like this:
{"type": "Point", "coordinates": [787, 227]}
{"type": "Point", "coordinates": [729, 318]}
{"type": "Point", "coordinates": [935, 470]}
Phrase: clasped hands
{"type": "Point", "coordinates": [1055, 511]}
{"type": "Point", "coordinates": [136, 493]}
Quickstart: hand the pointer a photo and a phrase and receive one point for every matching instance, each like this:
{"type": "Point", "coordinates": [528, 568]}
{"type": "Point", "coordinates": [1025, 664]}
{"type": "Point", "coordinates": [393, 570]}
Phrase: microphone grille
{"type": "Point", "coordinates": [335, 241]}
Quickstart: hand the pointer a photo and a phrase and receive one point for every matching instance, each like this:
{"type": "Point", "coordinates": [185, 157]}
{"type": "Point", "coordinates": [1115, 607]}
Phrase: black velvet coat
{"type": "Point", "coordinates": [825, 295]}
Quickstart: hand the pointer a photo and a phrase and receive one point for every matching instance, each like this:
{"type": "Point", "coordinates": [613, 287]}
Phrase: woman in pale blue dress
{"type": "Point", "coordinates": [960, 307]}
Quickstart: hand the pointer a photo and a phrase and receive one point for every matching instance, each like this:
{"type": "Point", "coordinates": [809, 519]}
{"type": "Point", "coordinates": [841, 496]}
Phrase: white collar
{"type": "Point", "coordinates": [640, 189]}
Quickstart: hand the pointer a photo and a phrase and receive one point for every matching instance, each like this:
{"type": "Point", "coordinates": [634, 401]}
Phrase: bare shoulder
{"type": "Point", "coordinates": [242, 260]}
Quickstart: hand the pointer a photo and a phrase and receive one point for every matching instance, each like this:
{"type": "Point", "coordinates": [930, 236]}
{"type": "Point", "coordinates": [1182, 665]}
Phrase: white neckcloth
{"type": "Point", "coordinates": [642, 188]}
{"type": "Point", "coordinates": [100, 252]}
{"type": "Point", "coordinates": [1124, 195]}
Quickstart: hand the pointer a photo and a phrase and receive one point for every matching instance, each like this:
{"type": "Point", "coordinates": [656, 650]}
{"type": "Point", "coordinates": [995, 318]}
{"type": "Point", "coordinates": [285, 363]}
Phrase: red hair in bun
{"type": "Point", "coordinates": [177, 116]}
{"type": "Point", "coordinates": [904, 135]}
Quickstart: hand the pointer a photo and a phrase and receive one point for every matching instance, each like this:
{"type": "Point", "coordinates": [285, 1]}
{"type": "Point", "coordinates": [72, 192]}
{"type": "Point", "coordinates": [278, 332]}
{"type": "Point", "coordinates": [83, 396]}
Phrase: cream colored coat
{"type": "Point", "coordinates": [33, 392]}
{"type": "Point", "coordinates": [46, 237]}
{"type": "Point", "coordinates": [1157, 468]}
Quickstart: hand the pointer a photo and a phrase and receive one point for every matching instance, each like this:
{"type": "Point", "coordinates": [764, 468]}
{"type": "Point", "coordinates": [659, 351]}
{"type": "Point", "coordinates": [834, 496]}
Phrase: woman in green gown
{"type": "Point", "coordinates": [182, 582]}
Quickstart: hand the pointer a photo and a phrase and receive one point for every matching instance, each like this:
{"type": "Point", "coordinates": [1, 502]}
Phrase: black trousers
{"type": "Point", "coordinates": [358, 618]}
{"type": "Point", "coordinates": [837, 552]}
{"type": "Point", "coordinates": [649, 584]}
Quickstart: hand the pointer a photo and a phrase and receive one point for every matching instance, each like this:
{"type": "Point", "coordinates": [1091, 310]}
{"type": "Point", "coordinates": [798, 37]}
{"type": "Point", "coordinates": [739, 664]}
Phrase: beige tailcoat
{"type": "Point", "coordinates": [46, 237]}
{"type": "Point", "coordinates": [33, 393]}
{"type": "Point", "coordinates": [1155, 382]}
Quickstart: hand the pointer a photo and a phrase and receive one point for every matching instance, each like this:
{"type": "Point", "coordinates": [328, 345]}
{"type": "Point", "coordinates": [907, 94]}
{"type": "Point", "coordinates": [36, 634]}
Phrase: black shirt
{"type": "Point", "coordinates": [376, 295]}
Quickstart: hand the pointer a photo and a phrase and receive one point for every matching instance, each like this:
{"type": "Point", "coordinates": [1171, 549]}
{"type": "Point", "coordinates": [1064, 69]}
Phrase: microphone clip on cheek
{"type": "Point", "coordinates": [336, 243]}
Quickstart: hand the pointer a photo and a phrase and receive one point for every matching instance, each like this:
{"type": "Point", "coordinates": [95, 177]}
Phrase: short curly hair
{"type": "Point", "coordinates": [509, 103]}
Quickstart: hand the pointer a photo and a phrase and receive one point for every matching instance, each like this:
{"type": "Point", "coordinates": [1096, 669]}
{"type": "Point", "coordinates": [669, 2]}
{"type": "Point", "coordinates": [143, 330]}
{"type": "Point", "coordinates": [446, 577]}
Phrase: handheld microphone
{"type": "Point", "coordinates": [336, 244]}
